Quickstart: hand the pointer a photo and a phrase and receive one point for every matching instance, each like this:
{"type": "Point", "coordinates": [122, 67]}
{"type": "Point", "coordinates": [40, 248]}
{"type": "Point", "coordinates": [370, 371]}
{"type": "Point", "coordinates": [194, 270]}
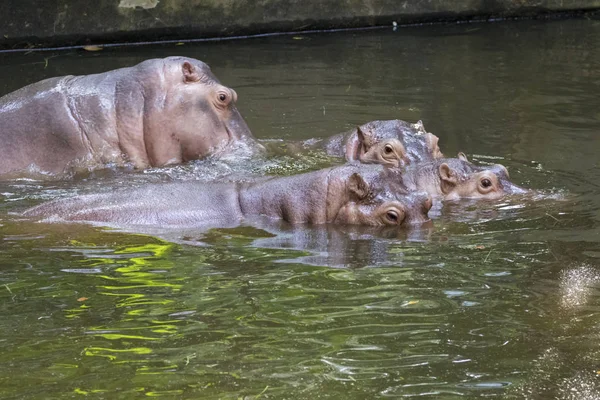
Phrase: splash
{"type": "Point", "coordinates": [577, 285]}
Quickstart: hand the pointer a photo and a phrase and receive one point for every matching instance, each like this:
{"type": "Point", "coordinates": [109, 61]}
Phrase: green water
{"type": "Point", "coordinates": [495, 300]}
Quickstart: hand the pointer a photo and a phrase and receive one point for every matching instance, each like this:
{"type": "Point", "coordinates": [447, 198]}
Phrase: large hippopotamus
{"type": "Point", "coordinates": [457, 178]}
{"type": "Point", "coordinates": [351, 194]}
{"type": "Point", "coordinates": [159, 112]}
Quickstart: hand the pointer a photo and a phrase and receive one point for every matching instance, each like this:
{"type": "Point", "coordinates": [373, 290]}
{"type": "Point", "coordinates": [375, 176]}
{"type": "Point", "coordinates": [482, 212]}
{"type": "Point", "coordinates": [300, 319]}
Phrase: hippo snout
{"type": "Point", "coordinates": [241, 141]}
{"type": "Point", "coordinates": [511, 188]}
{"type": "Point", "coordinates": [427, 202]}
{"type": "Point", "coordinates": [418, 208]}
{"type": "Point", "coordinates": [237, 127]}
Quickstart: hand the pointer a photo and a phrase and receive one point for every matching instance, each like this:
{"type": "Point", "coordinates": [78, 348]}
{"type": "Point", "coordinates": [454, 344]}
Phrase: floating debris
{"type": "Point", "coordinates": [92, 48]}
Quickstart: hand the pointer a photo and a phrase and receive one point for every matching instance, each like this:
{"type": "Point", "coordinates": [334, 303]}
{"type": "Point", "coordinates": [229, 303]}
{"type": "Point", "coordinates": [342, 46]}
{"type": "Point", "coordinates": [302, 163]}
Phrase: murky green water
{"type": "Point", "coordinates": [497, 300]}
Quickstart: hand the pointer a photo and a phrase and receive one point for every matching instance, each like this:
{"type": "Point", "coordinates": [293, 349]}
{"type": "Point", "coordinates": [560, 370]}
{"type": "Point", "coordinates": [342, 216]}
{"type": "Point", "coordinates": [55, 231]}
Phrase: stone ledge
{"type": "Point", "coordinates": [34, 23]}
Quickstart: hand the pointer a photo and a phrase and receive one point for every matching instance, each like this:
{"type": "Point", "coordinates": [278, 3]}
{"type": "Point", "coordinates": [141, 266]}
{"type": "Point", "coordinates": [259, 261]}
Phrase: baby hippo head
{"type": "Point", "coordinates": [381, 202]}
{"type": "Point", "coordinates": [193, 115]}
{"type": "Point", "coordinates": [461, 179]}
{"type": "Point", "coordinates": [394, 143]}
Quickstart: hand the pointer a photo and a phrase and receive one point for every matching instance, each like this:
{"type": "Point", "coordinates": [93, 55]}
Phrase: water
{"type": "Point", "coordinates": [496, 300]}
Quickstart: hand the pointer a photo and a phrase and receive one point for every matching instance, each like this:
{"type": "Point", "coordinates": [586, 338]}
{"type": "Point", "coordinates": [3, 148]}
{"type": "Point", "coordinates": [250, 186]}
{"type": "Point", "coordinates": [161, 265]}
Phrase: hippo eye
{"type": "Point", "coordinates": [392, 216]}
{"type": "Point", "coordinates": [388, 149]}
{"type": "Point", "coordinates": [222, 97]}
{"type": "Point", "coordinates": [486, 183]}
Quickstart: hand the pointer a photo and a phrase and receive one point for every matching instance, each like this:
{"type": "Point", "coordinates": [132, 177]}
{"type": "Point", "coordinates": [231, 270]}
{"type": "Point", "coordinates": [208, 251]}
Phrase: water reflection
{"type": "Point", "coordinates": [344, 246]}
{"type": "Point", "coordinates": [319, 245]}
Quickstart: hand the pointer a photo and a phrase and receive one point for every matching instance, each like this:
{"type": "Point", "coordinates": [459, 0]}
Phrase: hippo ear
{"type": "Point", "coordinates": [432, 141]}
{"type": "Point", "coordinates": [189, 72]}
{"type": "Point", "coordinates": [419, 127]}
{"type": "Point", "coordinates": [448, 178]}
{"type": "Point", "coordinates": [463, 157]}
{"type": "Point", "coordinates": [358, 187]}
{"type": "Point", "coordinates": [364, 138]}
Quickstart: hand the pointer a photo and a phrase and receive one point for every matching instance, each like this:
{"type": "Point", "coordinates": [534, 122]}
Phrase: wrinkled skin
{"type": "Point", "coordinates": [351, 194]}
{"type": "Point", "coordinates": [159, 112]}
{"type": "Point", "coordinates": [457, 178]}
{"type": "Point", "coordinates": [393, 143]}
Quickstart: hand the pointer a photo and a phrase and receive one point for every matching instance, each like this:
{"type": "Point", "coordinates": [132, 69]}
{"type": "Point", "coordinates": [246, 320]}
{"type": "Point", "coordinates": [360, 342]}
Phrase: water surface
{"type": "Point", "coordinates": [496, 300]}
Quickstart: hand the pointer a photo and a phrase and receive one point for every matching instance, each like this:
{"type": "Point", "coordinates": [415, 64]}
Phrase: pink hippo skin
{"type": "Point", "coordinates": [159, 112]}
{"type": "Point", "coordinates": [457, 178]}
{"type": "Point", "coordinates": [351, 194]}
{"type": "Point", "coordinates": [394, 143]}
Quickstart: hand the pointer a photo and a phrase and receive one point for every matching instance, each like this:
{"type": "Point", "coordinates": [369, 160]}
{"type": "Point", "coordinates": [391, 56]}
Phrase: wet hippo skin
{"type": "Point", "coordinates": [456, 178]}
{"type": "Point", "coordinates": [394, 143]}
{"type": "Point", "coordinates": [399, 143]}
{"type": "Point", "coordinates": [351, 194]}
{"type": "Point", "coordinates": [390, 142]}
{"type": "Point", "coordinates": [159, 112]}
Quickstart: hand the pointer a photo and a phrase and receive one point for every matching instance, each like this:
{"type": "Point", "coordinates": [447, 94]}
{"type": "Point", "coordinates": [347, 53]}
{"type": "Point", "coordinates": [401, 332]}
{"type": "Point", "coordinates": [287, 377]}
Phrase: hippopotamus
{"type": "Point", "coordinates": [456, 178]}
{"type": "Point", "coordinates": [394, 143]}
{"type": "Point", "coordinates": [158, 112]}
{"type": "Point", "coordinates": [351, 194]}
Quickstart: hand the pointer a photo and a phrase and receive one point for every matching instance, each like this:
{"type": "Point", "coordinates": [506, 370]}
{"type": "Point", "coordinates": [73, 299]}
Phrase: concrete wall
{"type": "Point", "coordinates": [66, 22]}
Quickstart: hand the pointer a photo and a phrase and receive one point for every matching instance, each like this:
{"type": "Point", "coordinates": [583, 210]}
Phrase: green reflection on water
{"type": "Point", "coordinates": [86, 392]}
{"type": "Point", "coordinates": [139, 267]}
{"type": "Point", "coordinates": [110, 353]}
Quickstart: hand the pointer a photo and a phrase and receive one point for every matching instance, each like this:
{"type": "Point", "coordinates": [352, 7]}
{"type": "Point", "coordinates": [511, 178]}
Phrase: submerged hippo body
{"type": "Point", "coordinates": [159, 112]}
{"type": "Point", "coordinates": [394, 143]}
{"type": "Point", "coordinates": [456, 178]}
{"type": "Point", "coordinates": [351, 194]}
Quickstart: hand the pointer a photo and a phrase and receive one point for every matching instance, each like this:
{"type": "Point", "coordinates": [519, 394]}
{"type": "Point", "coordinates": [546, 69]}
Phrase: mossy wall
{"type": "Point", "coordinates": [66, 22]}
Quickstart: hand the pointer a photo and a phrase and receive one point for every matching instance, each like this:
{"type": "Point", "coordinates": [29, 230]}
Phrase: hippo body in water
{"type": "Point", "coordinates": [159, 112]}
{"type": "Point", "coordinates": [350, 194]}
{"type": "Point", "coordinates": [457, 178]}
{"type": "Point", "coordinates": [394, 143]}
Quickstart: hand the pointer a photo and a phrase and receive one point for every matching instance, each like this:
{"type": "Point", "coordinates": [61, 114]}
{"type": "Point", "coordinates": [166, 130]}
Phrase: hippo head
{"type": "Point", "coordinates": [192, 115]}
{"type": "Point", "coordinates": [461, 179]}
{"type": "Point", "coordinates": [392, 143]}
{"type": "Point", "coordinates": [378, 201]}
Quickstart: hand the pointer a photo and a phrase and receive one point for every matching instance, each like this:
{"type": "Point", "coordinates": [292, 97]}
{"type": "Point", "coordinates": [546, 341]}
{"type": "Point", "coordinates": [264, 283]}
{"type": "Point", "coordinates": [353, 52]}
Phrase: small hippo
{"type": "Point", "coordinates": [159, 112]}
{"type": "Point", "coordinates": [351, 194]}
{"type": "Point", "coordinates": [394, 143]}
{"type": "Point", "coordinates": [456, 178]}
